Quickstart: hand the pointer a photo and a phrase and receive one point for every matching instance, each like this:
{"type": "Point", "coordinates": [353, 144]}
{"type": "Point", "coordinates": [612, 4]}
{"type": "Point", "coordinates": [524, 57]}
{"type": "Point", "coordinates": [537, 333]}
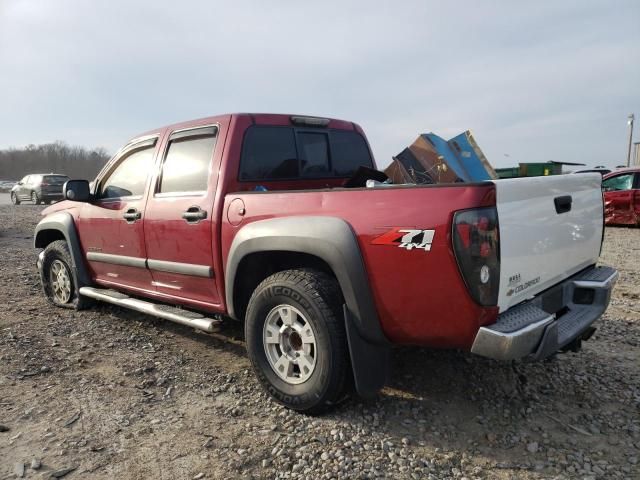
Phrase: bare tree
{"type": "Point", "coordinates": [57, 157]}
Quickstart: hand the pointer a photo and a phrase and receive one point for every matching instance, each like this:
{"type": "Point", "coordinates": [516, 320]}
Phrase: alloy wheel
{"type": "Point", "coordinates": [60, 281]}
{"type": "Point", "coordinates": [290, 344]}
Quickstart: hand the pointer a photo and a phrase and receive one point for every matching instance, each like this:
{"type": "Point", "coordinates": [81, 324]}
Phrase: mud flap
{"type": "Point", "coordinates": [370, 361]}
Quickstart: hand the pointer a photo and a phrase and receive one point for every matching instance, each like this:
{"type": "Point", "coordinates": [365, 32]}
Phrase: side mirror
{"type": "Point", "coordinates": [20, 183]}
{"type": "Point", "coordinates": [76, 191]}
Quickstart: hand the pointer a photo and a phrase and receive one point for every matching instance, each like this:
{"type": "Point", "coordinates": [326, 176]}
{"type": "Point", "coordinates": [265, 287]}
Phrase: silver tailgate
{"type": "Point", "coordinates": [540, 247]}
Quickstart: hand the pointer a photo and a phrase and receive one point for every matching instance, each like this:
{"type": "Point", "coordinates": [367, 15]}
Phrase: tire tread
{"type": "Point", "coordinates": [60, 248]}
{"type": "Point", "coordinates": [327, 297]}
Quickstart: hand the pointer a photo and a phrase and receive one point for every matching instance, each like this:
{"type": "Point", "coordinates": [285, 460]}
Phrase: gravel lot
{"type": "Point", "coordinates": [5, 198]}
{"type": "Point", "coordinates": [108, 393]}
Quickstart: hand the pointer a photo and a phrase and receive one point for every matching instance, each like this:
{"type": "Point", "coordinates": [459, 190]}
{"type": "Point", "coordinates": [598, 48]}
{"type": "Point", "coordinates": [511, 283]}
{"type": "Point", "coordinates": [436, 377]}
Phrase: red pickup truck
{"type": "Point", "coordinates": [258, 218]}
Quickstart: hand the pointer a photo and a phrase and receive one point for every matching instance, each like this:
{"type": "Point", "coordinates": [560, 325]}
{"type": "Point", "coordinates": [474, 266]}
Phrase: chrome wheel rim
{"type": "Point", "coordinates": [290, 344]}
{"type": "Point", "coordinates": [34, 198]}
{"type": "Point", "coordinates": [60, 281]}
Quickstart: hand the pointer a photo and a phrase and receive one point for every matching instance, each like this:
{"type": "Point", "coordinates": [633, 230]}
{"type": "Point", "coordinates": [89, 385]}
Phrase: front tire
{"type": "Point", "coordinates": [296, 340]}
{"type": "Point", "coordinates": [14, 198]}
{"type": "Point", "coordinates": [58, 281]}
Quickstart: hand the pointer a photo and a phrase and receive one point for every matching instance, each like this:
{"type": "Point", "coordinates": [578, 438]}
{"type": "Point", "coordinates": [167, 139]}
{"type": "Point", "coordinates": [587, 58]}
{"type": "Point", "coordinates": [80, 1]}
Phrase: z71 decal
{"type": "Point", "coordinates": [406, 238]}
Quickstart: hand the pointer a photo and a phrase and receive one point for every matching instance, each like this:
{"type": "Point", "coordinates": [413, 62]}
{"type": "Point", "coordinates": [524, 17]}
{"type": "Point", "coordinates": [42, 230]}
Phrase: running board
{"type": "Point", "coordinates": [167, 312]}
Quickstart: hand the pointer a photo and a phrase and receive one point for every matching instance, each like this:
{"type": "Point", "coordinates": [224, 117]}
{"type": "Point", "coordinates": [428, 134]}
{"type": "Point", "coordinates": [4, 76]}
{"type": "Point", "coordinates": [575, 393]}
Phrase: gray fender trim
{"type": "Point", "coordinates": [332, 240]}
{"type": "Point", "coordinates": [63, 222]}
{"type": "Point", "coordinates": [328, 238]}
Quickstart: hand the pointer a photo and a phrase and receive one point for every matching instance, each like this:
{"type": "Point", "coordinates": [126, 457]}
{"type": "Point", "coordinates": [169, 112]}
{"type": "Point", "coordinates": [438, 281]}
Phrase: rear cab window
{"type": "Point", "coordinates": [271, 153]}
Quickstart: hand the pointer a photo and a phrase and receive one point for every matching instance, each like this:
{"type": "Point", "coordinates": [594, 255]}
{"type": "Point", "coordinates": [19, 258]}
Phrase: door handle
{"type": "Point", "coordinates": [132, 215]}
{"type": "Point", "coordinates": [563, 204]}
{"type": "Point", "coordinates": [194, 214]}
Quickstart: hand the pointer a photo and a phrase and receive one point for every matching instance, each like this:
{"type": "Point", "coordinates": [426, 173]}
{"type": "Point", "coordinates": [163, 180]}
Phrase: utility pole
{"type": "Point", "coordinates": [630, 122]}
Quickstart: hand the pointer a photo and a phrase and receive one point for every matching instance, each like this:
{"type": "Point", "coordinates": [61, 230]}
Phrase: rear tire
{"type": "Point", "coordinates": [296, 340]}
{"type": "Point", "coordinates": [58, 281]}
{"type": "Point", "coordinates": [34, 198]}
{"type": "Point", "coordinates": [14, 198]}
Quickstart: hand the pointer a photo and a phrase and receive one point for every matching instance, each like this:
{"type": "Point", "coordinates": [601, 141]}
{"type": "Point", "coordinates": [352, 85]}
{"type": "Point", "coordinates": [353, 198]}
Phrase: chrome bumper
{"type": "Point", "coordinates": [550, 321]}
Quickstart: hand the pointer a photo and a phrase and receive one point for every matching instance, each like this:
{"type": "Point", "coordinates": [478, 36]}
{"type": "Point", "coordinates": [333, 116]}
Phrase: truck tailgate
{"type": "Point", "coordinates": [550, 228]}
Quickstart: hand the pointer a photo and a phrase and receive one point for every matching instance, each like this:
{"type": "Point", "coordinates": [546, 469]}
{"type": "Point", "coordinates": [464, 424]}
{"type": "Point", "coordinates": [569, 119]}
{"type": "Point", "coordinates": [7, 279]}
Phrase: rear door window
{"type": "Point", "coordinates": [186, 163]}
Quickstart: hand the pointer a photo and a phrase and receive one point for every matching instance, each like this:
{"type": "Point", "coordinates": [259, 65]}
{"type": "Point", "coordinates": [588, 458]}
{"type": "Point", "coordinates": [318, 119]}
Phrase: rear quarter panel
{"type": "Point", "coordinates": [419, 295]}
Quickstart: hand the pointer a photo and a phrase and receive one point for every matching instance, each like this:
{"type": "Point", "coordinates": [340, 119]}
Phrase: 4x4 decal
{"type": "Point", "coordinates": [407, 238]}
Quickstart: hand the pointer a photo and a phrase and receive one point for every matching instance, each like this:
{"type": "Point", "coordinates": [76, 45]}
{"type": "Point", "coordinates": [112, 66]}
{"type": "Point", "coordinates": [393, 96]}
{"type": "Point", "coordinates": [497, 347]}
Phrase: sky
{"type": "Point", "coordinates": [533, 81]}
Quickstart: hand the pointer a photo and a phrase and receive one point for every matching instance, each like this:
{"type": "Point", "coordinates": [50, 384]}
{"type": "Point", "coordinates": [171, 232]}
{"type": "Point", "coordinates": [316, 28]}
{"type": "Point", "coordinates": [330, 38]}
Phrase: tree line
{"type": "Point", "coordinates": [57, 157]}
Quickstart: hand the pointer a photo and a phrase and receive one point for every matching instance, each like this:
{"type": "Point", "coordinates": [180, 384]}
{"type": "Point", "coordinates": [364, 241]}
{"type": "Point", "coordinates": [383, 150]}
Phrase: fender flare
{"type": "Point", "coordinates": [63, 222]}
{"type": "Point", "coordinates": [328, 238]}
{"type": "Point", "coordinates": [332, 240]}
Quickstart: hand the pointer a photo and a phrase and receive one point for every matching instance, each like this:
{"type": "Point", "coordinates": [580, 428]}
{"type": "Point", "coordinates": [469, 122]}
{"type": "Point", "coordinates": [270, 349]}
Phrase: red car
{"type": "Point", "coordinates": [270, 220]}
{"type": "Point", "coordinates": [622, 197]}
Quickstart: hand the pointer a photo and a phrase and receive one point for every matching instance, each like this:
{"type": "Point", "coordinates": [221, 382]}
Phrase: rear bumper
{"type": "Point", "coordinates": [50, 195]}
{"type": "Point", "coordinates": [540, 327]}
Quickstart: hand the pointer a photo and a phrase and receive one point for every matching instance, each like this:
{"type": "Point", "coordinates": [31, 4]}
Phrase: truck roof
{"type": "Point", "coordinates": [257, 118]}
{"type": "Point", "coordinates": [618, 171]}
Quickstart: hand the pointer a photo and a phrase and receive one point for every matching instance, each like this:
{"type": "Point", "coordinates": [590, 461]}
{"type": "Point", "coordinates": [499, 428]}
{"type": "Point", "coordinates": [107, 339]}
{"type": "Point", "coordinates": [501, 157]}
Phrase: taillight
{"type": "Point", "coordinates": [476, 245]}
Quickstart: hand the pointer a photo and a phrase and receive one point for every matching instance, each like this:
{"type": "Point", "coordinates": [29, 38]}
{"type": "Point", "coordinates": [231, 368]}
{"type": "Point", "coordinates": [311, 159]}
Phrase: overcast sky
{"type": "Point", "coordinates": [534, 81]}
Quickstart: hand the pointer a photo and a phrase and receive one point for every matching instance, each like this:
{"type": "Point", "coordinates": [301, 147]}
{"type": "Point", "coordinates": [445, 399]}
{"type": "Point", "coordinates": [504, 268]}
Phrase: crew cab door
{"type": "Point", "coordinates": [110, 228]}
{"type": "Point", "coordinates": [619, 199]}
{"type": "Point", "coordinates": [180, 222]}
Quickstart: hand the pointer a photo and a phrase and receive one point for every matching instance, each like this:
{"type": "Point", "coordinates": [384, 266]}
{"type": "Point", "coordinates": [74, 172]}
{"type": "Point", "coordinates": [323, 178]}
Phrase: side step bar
{"type": "Point", "coordinates": [167, 312]}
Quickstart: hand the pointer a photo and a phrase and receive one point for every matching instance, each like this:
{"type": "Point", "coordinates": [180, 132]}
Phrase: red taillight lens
{"type": "Point", "coordinates": [476, 244]}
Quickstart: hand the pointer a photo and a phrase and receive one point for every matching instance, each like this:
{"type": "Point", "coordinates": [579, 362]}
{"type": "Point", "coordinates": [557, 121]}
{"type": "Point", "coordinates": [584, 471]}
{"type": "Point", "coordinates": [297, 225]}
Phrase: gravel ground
{"type": "Point", "coordinates": [108, 393]}
{"type": "Point", "coordinates": [5, 197]}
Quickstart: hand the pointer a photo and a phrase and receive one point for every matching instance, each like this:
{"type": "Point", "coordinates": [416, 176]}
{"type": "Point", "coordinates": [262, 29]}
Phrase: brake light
{"type": "Point", "coordinates": [309, 121]}
{"type": "Point", "coordinates": [476, 244]}
{"type": "Point", "coordinates": [44, 184]}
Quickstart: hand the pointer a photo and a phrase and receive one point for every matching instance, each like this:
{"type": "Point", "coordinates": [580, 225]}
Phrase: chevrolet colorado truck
{"type": "Point", "coordinates": [254, 217]}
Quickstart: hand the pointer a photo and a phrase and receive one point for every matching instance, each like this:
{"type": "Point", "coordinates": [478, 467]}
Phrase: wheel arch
{"type": "Point", "coordinates": [61, 226]}
{"type": "Point", "coordinates": [325, 243]}
{"type": "Point", "coordinates": [254, 267]}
